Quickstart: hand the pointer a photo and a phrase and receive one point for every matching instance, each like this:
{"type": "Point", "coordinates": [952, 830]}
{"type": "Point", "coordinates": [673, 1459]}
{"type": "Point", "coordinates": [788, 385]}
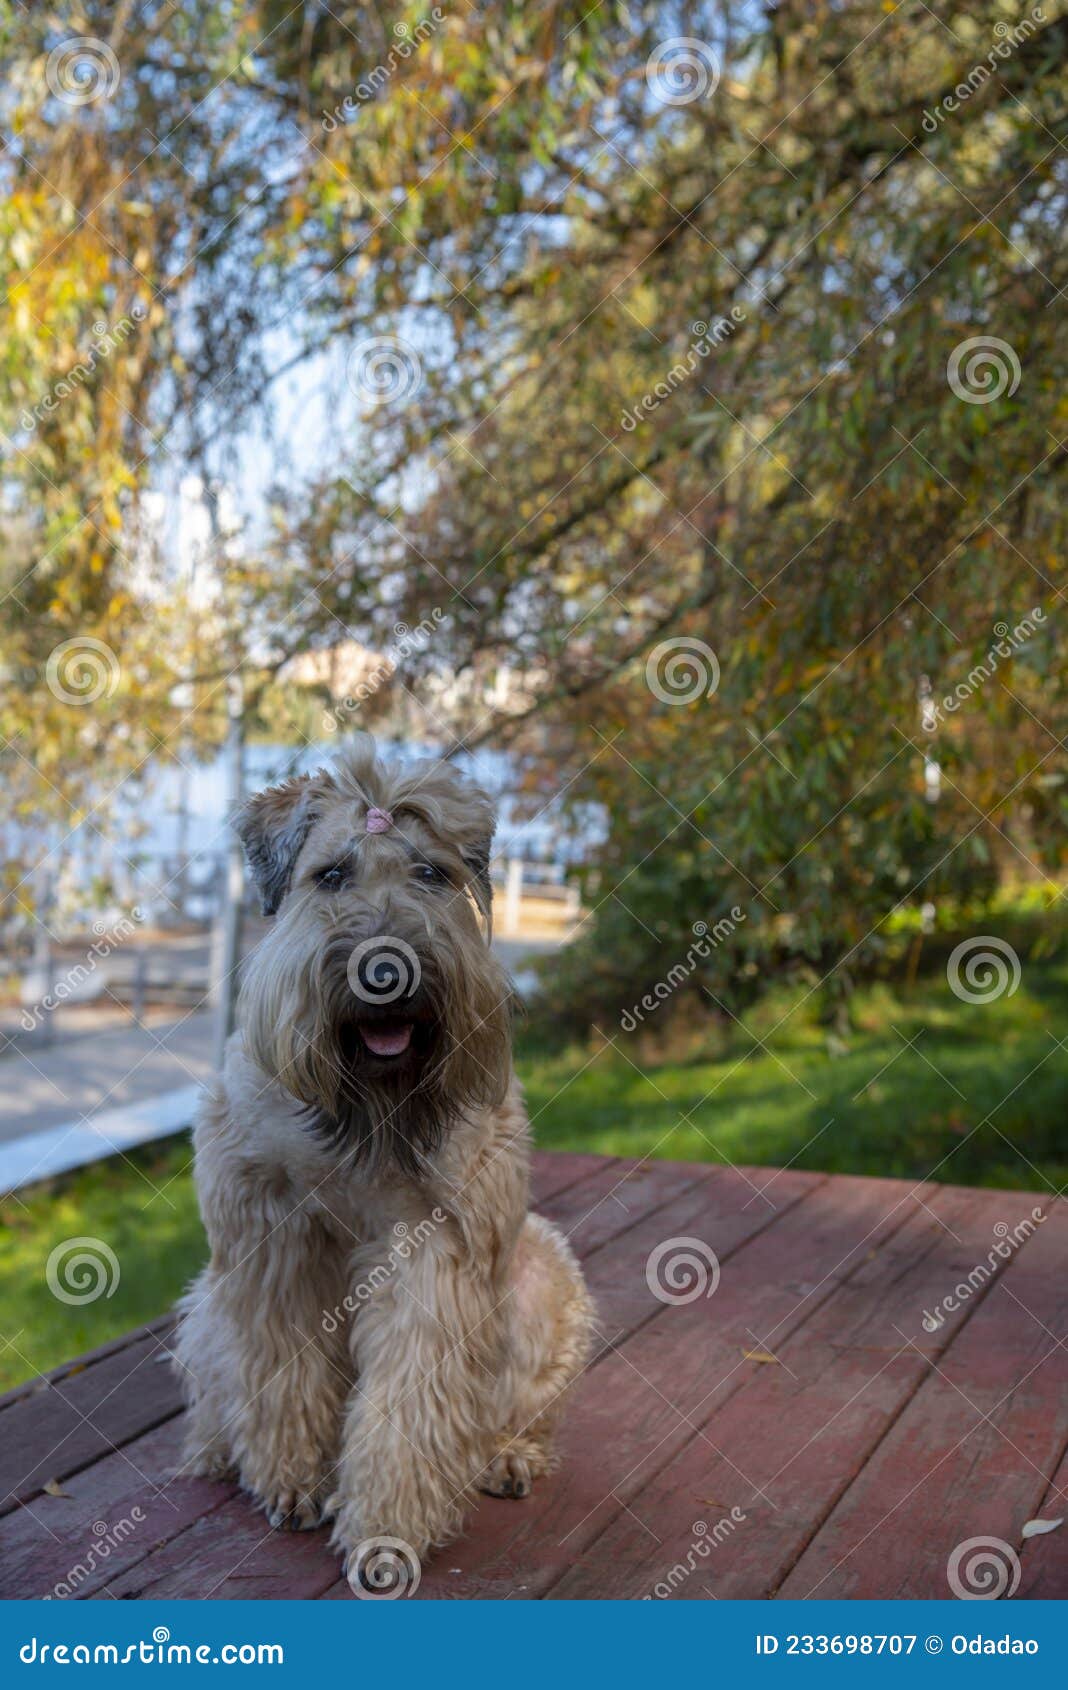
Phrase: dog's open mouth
{"type": "Point", "coordinates": [387, 1038]}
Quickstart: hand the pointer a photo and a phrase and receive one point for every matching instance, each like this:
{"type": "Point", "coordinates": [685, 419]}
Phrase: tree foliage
{"type": "Point", "coordinates": [676, 355]}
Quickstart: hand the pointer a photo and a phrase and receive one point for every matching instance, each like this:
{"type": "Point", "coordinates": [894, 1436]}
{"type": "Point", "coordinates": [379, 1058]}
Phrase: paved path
{"type": "Point", "coordinates": [85, 1075]}
{"type": "Point", "coordinates": [80, 1076]}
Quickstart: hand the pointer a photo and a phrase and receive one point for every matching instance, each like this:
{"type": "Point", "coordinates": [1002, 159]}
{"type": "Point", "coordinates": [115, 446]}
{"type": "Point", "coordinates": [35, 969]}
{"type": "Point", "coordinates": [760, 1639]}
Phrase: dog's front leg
{"type": "Point", "coordinates": [266, 1374]}
{"type": "Point", "coordinates": [428, 1344]}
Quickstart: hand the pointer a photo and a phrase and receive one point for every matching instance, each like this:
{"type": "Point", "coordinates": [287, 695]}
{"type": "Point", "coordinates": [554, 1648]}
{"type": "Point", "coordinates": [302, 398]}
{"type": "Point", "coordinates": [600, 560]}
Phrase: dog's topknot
{"type": "Point", "coordinates": [273, 824]}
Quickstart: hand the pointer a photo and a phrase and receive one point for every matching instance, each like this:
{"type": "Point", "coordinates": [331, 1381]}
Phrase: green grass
{"type": "Point", "coordinates": [143, 1207]}
{"type": "Point", "coordinates": [980, 1098]}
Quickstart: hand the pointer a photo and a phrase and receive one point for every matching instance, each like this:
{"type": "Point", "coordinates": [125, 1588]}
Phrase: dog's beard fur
{"type": "Point", "coordinates": [303, 1021]}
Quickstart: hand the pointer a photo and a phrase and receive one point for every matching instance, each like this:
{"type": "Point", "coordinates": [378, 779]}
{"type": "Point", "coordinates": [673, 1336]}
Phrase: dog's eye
{"type": "Point", "coordinates": [429, 874]}
{"type": "Point", "coordinates": [330, 879]}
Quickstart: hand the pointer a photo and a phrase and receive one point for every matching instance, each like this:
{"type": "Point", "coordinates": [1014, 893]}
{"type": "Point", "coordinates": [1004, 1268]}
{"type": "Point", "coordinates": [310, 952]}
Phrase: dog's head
{"type": "Point", "coordinates": [375, 998]}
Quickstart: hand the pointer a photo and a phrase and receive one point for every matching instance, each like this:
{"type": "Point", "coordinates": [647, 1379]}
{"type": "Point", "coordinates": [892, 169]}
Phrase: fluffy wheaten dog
{"type": "Point", "coordinates": [382, 1328]}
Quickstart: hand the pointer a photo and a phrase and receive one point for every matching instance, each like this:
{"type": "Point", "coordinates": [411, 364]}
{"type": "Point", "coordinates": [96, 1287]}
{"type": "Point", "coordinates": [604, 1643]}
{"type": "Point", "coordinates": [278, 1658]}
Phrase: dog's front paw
{"type": "Point", "coordinates": [205, 1464]}
{"type": "Point", "coordinates": [510, 1474]}
{"type": "Point", "coordinates": [294, 1510]}
{"type": "Point", "coordinates": [289, 1508]}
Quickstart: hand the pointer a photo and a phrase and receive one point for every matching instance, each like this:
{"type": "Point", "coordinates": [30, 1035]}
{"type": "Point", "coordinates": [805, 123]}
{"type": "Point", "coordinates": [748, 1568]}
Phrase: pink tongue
{"type": "Point", "coordinates": [387, 1038]}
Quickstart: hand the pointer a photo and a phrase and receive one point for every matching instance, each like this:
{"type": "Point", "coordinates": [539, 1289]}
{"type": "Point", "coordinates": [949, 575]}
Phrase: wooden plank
{"type": "Point", "coordinates": [234, 1555]}
{"type": "Point", "coordinates": [79, 1364]}
{"type": "Point", "coordinates": [974, 1451]}
{"type": "Point", "coordinates": [610, 1200]}
{"type": "Point", "coordinates": [786, 1446]}
{"type": "Point", "coordinates": [112, 1515]}
{"type": "Point", "coordinates": [720, 1208]}
{"type": "Point", "coordinates": [552, 1171]}
{"type": "Point", "coordinates": [671, 1413]}
{"type": "Point", "coordinates": [1044, 1559]}
{"type": "Point", "coordinates": [66, 1424]}
{"type": "Point", "coordinates": [621, 1426]}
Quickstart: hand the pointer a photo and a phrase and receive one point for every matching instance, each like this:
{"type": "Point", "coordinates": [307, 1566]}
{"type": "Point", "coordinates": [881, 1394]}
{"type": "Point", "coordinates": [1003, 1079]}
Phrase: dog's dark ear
{"type": "Point", "coordinates": [272, 826]}
{"type": "Point", "coordinates": [477, 858]}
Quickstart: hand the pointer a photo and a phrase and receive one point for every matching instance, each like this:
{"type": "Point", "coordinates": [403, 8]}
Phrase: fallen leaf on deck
{"type": "Point", "coordinates": [759, 1355]}
{"type": "Point", "coordinates": [1035, 1528]}
{"type": "Point", "coordinates": [54, 1488]}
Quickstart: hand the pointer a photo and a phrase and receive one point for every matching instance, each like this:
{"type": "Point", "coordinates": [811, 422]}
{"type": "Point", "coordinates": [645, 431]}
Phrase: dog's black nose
{"type": "Point", "coordinates": [384, 972]}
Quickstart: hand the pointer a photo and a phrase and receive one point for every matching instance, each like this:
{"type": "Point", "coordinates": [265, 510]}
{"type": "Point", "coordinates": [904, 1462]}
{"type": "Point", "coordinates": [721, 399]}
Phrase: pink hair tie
{"type": "Point", "coordinates": [379, 821]}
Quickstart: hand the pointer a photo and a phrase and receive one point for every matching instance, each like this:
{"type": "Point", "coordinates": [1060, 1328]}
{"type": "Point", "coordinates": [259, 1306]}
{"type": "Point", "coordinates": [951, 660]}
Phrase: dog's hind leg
{"type": "Point", "coordinates": [552, 1323]}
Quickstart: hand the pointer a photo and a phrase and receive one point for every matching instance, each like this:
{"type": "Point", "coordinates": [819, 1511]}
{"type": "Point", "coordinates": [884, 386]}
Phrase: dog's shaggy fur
{"type": "Point", "coordinates": [382, 1328]}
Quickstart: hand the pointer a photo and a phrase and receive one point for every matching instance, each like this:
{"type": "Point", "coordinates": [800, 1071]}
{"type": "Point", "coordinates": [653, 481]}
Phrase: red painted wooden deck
{"type": "Point", "coordinates": [855, 1462]}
